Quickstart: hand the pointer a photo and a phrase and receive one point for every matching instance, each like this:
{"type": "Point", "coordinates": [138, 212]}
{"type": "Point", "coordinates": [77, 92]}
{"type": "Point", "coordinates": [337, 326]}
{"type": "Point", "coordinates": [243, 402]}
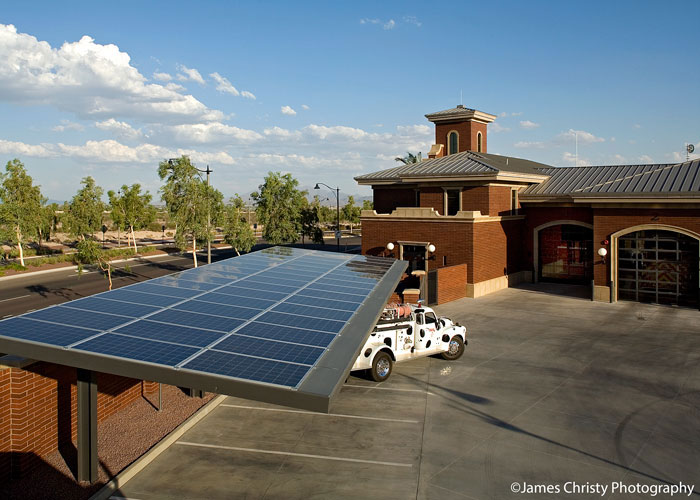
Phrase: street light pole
{"type": "Point", "coordinates": [207, 171]}
{"type": "Point", "coordinates": [337, 206]}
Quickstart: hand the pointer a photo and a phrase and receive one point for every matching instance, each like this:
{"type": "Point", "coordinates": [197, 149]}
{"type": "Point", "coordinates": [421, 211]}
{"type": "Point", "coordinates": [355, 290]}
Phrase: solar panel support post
{"type": "Point", "coordinates": [87, 425]}
{"type": "Point", "coordinates": [160, 397]}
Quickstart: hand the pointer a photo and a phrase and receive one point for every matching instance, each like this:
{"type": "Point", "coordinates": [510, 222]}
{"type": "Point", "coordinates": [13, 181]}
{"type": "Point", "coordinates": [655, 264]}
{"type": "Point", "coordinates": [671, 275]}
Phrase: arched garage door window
{"type": "Point", "coordinates": [660, 267]}
{"type": "Point", "coordinates": [565, 253]}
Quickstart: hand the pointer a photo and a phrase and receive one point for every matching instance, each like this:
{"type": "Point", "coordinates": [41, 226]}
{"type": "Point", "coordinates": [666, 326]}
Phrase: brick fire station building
{"type": "Point", "coordinates": [631, 232]}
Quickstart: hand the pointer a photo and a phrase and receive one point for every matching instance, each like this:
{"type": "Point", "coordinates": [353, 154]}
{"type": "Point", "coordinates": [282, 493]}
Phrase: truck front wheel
{"type": "Point", "coordinates": [455, 349]}
{"type": "Point", "coordinates": [381, 366]}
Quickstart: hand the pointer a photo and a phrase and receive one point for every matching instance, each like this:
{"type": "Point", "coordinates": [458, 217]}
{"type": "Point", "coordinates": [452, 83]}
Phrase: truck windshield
{"type": "Point", "coordinates": [430, 319]}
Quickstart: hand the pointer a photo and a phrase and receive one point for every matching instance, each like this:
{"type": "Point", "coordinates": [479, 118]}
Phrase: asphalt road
{"type": "Point", "coordinates": [39, 290]}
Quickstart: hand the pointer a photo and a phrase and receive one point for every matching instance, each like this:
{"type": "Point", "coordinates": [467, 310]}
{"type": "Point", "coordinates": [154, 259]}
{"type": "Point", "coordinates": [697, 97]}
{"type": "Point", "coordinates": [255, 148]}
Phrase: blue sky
{"type": "Point", "coordinates": [331, 90]}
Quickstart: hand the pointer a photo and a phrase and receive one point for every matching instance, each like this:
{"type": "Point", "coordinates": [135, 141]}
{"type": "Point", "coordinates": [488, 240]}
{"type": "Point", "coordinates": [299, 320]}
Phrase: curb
{"type": "Point", "coordinates": [140, 463]}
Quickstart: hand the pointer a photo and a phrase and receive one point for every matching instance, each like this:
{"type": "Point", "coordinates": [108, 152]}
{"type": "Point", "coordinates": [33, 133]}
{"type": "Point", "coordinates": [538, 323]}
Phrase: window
{"type": "Point", "coordinates": [453, 196]}
{"type": "Point", "coordinates": [417, 202]}
{"type": "Point", "coordinates": [514, 201]}
{"type": "Point", "coordinates": [430, 319]}
{"type": "Point", "coordinates": [453, 141]}
{"type": "Point", "coordinates": [478, 142]}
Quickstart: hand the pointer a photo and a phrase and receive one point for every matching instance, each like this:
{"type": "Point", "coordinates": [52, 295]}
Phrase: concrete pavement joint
{"type": "Point", "coordinates": [282, 410]}
{"type": "Point", "coordinates": [124, 476]}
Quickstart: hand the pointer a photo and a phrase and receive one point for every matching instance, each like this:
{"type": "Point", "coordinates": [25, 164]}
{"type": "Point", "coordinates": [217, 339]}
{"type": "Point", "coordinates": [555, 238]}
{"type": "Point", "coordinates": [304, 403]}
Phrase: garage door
{"type": "Point", "coordinates": [565, 254]}
{"type": "Point", "coordinates": [659, 267]}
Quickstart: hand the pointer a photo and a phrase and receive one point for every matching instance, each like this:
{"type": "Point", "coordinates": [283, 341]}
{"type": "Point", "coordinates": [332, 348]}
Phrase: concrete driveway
{"type": "Point", "coordinates": [564, 397]}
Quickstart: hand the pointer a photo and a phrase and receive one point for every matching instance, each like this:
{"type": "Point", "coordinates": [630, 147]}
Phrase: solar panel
{"type": "Point", "coordinates": [282, 325]}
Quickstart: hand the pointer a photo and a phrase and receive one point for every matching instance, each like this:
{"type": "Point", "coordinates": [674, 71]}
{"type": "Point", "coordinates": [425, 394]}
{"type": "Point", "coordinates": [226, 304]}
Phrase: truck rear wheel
{"type": "Point", "coordinates": [455, 349]}
{"type": "Point", "coordinates": [381, 366]}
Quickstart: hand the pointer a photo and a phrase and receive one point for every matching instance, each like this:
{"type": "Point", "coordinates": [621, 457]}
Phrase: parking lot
{"type": "Point", "coordinates": [552, 390]}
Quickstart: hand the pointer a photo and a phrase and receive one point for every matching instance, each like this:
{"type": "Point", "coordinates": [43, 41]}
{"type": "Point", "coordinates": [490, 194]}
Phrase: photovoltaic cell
{"type": "Point", "coordinates": [171, 291]}
{"type": "Point", "coordinates": [236, 300]}
{"type": "Point", "coordinates": [330, 304]}
{"type": "Point", "coordinates": [36, 331]}
{"type": "Point", "coordinates": [162, 353]}
{"type": "Point", "coordinates": [286, 333]}
{"type": "Point", "coordinates": [170, 333]}
{"type": "Point", "coordinates": [86, 319]}
{"type": "Point", "coordinates": [128, 295]}
{"type": "Point", "coordinates": [323, 325]}
{"type": "Point", "coordinates": [99, 304]}
{"type": "Point", "coordinates": [197, 320]}
{"type": "Point", "coordinates": [259, 370]}
{"type": "Point", "coordinates": [250, 292]}
{"type": "Point", "coordinates": [191, 285]}
{"type": "Point", "coordinates": [218, 309]}
{"type": "Point", "coordinates": [270, 349]}
{"type": "Point", "coordinates": [313, 312]}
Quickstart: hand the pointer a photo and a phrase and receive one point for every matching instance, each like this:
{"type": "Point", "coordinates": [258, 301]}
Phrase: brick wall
{"type": "Point", "coordinates": [387, 199]}
{"type": "Point", "coordinates": [476, 198]}
{"type": "Point", "coordinates": [452, 283]}
{"type": "Point", "coordinates": [610, 220]}
{"type": "Point", "coordinates": [433, 198]}
{"type": "Point", "coordinates": [39, 410]}
{"type": "Point", "coordinates": [467, 131]}
{"type": "Point", "coordinates": [452, 240]}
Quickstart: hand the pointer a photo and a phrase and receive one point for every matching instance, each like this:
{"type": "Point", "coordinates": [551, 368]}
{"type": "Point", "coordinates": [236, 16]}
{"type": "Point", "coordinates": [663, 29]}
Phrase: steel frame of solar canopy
{"type": "Point", "coordinates": [315, 391]}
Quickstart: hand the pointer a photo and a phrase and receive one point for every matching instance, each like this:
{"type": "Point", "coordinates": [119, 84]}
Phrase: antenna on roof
{"type": "Point", "coordinates": [689, 148]}
{"type": "Point", "coordinates": [576, 157]}
{"type": "Point", "coordinates": [460, 97]}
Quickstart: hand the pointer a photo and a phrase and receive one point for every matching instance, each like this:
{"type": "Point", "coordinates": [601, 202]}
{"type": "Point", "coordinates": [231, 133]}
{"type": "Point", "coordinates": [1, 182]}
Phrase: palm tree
{"type": "Point", "coordinates": [410, 158]}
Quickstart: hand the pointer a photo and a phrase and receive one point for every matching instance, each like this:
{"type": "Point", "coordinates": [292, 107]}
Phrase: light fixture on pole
{"type": "Point", "coordinates": [390, 247]}
{"type": "Point", "coordinates": [337, 205]}
{"type": "Point", "coordinates": [208, 171]}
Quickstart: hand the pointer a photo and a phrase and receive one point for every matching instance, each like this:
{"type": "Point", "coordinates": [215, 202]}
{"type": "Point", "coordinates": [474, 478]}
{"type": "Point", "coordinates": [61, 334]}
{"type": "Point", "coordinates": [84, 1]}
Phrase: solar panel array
{"type": "Point", "coordinates": [265, 317]}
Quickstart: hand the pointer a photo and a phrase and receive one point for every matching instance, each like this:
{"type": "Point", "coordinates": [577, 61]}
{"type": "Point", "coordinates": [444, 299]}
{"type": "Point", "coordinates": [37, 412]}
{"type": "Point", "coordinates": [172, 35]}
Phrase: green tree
{"type": "Point", "coordinates": [278, 206]}
{"type": "Point", "coordinates": [89, 252]}
{"type": "Point", "coordinates": [237, 230]}
{"type": "Point", "coordinates": [367, 205]}
{"type": "Point", "coordinates": [20, 206]}
{"type": "Point", "coordinates": [310, 222]}
{"type": "Point", "coordinates": [410, 158]}
{"type": "Point", "coordinates": [84, 215]}
{"type": "Point", "coordinates": [351, 212]}
{"type": "Point", "coordinates": [48, 219]}
{"type": "Point", "coordinates": [189, 201]}
{"type": "Point", "coordinates": [131, 209]}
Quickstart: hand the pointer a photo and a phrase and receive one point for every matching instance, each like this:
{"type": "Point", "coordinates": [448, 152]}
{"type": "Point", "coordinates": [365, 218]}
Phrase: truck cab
{"type": "Point", "coordinates": [408, 331]}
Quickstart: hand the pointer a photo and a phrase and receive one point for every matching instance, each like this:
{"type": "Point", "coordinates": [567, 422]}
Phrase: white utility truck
{"type": "Point", "coordinates": [407, 331]}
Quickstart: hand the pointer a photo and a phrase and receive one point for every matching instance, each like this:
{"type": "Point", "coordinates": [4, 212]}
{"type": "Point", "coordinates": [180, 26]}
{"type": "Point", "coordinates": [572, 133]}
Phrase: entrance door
{"type": "Point", "coordinates": [415, 255]}
{"type": "Point", "coordinates": [566, 254]}
{"type": "Point", "coordinates": [660, 267]}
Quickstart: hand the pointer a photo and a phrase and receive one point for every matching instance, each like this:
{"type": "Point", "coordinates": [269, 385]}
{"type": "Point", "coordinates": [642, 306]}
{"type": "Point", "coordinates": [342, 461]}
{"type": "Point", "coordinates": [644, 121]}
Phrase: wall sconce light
{"type": "Point", "coordinates": [602, 252]}
{"type": "Point", "coordinates": [431, 248]}
{"type": "Point", "coordinates": [390, 247]}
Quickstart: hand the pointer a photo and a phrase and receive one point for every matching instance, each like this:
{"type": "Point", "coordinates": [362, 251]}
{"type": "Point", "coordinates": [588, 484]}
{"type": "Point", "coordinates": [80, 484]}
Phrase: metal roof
{"type": "Point", "coordinates": [456, 111]}
{"type": "Point", "coordinates": [459, 164]}
{"type": "Point", "coordinates": [619, 180]}
{"type": "Point", "coordinates": [281, 325]}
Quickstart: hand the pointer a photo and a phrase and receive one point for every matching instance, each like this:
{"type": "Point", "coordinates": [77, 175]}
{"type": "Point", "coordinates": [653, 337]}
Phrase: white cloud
{"type": "Point", "coordinates": [414, 130]}
{"type": "Point", "coordinates": [249, 95]}
{"type": "Point", "coordinates": [646, 159]}
{"type": "Point", "coordinates": [22, 149]}
{"type": "Point", "coordinates": [412, 20]}
{"type": "Point", "coordinates": [571, 159]}
{"type": "Point", "coordinates": [336, 132]}
{"type": "Point", "coordinates": [189, 74]}
{"type": "Point", "coordinates": [163, 77]}
{"type": "Point", "coordinates": [389, 25]}
{"type": "Point", "coordinates": [223, 85]}
{"type": "Point", "coordinates": [120, 129]}
{"type": "Point", "coordinates": [88, 79]}
{"type": "Point", "coordinates": [281, 132]}
{"type": "Point", "coordinates": [369, 21]}
{"type": "Point", "coordinates": [528, 125]}
{"type": "Point", "coordinates": [619, 159]}
{"type": "Point", "coordinates": [205, 133]}
{"type": "Point", "coordinates": [582, 136]}
{"type": "Point", "coordinates": [530, 145]}
{"type": "Point", "coordinates": [637, 125]}
{"type": "Point", "coordinates": [287, 110]}
{"type": "Point", "coordinates": [305, 107]}
{"type": "Point", "coordinates": [516, 114]}
{"type": "Point", "coordinates": [497, 127]}
{"type": "Point", "coordinates": [68, 125]}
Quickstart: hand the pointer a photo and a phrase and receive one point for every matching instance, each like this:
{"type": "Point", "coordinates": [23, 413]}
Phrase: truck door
{"type": "Point", "coordinates": [430, 327]}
